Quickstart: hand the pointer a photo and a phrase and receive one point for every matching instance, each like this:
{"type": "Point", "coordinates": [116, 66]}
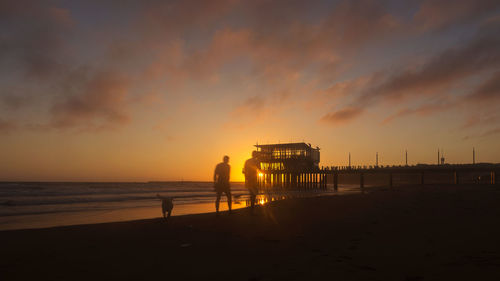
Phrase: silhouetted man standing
{"type": "Point", "coordinates": [251, 171]}
{"type": "Point", "coordinates": [221, 183]}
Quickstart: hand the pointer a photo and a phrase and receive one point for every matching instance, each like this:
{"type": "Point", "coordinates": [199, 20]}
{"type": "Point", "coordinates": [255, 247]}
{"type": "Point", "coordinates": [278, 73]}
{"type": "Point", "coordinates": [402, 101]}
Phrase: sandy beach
{"type": "Point", "coordinates": [403, 233]}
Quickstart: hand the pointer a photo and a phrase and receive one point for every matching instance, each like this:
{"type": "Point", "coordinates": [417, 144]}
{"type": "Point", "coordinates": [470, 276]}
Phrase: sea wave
{"type": "Point", "coordinates": [42, 198]}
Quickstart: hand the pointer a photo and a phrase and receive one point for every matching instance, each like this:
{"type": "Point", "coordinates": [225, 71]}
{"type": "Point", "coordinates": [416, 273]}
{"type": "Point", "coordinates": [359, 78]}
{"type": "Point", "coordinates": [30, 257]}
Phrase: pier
{"type": "Point", "coordinates": [296, 166]}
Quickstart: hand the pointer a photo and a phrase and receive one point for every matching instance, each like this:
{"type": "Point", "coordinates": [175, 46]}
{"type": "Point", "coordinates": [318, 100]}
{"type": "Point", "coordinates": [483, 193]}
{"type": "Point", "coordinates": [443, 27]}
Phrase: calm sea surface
{"type": "Point", "coordinates": [45, 204]}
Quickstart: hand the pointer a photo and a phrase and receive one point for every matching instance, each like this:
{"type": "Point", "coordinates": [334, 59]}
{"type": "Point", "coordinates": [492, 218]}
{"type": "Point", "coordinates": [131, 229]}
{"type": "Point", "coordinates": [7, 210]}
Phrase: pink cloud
{"type": "Point", "coordinates": [251, 106]}
{"type": "Point", "coordinates": [440, 72]}
{"type": "Point", "coordinates": [289, 47]}
{"type": "Point", "coordinates": [436, 77]}
{"type": "Point", "coordinates": [7, 126]}
{"type": "Point", "coordinates": [491, 132]}
{"type": "Point", "coordinates": [14, 101]}
{"type": "Point", "coordinates": [434, 14]}
{"type": "Point", "coordinates": [98, 103]}
{"type": "Point", "coordinates": [488, 91]}
{"type": "Point", "coordinates": [33, 37]}
{"type": "Point", "coordinates": [342, 116]}
{"type": "Point", "coordinates": [423, 110]}
{"type": "Point", "coordinates": [482, 99]}
{"type": "Point", "coordinates": [276, 49]}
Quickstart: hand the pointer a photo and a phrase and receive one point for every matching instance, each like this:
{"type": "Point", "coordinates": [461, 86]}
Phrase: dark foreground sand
{"type": "Point", "coordinates": [404, 233]}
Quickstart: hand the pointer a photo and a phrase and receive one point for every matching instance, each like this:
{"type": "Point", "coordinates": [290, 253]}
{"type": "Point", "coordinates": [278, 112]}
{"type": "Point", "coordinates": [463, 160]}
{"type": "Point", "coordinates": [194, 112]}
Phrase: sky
{"type": "Point", "coordinates": [161, 90]}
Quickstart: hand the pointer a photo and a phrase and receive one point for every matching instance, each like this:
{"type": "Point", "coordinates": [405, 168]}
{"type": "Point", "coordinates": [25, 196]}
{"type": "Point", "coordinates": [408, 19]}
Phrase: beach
{"type": "Point", "coordinates": [431, 232]}
{"type": "Point", "coordinates": [29, 205]}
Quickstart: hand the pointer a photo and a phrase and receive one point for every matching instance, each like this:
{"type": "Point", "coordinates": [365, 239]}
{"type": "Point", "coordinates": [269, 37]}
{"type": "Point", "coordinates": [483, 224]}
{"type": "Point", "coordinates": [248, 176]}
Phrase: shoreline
{"type": "Point", "coordinates": [404, 233]}
{"type": "Point", "coordinates": [33, 222]}
{"type": "Point", "coordinates": [92, 216]}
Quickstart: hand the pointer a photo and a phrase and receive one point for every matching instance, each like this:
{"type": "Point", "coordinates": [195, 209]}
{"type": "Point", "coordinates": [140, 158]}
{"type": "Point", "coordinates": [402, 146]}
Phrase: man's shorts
{"type": "Point", "coordinates": [222, 188]}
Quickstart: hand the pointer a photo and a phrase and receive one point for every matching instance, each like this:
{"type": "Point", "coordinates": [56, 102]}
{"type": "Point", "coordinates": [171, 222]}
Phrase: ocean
{"type": "Point", "coordinates": [26, 205]}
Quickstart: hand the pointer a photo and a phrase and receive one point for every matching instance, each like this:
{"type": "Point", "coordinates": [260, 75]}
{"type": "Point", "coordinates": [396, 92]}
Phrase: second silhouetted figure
{"type": "Point", "coordinates": [251, 171]}
{"type": "Point", "coordinates": [221, 183]}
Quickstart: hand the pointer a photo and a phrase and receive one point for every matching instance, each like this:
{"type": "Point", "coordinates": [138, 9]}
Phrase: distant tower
{"type": "Point", "coordinates": [349, 159]}
{"type": "Point", "coordinates": [406, 157]}
{"type": "Point", "coordinates": [442, 157]}
{"type": "Point", "coordinates": [376, 160]}
{"type": "Point", "coordinates": [473, 156]}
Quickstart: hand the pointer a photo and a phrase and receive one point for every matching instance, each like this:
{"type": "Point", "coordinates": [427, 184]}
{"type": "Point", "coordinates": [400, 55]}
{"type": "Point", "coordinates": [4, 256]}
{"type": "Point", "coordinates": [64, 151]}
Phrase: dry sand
{"type": "Point", "coordinates": [403, 233]}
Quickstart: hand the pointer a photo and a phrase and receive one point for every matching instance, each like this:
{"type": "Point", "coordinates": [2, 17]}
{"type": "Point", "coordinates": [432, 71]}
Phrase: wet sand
{"type": "Point", "coordinates": [101, 216]}
{"type": "Point", "coordinates": [403, 233]}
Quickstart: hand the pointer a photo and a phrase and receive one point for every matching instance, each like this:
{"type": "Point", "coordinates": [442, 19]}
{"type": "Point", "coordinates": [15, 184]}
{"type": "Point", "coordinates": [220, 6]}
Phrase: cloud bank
{"type": "Point", "coordinates": [86, 71]}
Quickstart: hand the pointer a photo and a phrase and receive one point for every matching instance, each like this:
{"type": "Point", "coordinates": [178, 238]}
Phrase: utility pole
{"type": "Point", "coordinates": [438, 156]}
{"type": "Point", "coordinates": [349, 160]}
{"type": "Point", "coordinates": [406, 153]}
{"type": "Point", "coordinates": [376, 160]}
{"type": "Point", "coordinates": [473, 156]}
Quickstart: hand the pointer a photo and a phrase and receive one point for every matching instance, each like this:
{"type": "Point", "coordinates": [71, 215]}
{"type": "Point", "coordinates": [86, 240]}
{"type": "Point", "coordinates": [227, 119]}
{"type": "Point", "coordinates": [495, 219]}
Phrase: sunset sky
{"type": "Point", "coordinates": [161, 90]}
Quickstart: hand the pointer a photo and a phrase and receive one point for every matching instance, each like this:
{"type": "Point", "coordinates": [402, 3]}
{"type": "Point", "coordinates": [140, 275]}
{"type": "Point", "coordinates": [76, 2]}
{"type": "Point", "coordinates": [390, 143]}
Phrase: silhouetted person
{"type": "Point", "coordinates": [251, 171]}
{"type": "Point", "coordinates": [221, 183]}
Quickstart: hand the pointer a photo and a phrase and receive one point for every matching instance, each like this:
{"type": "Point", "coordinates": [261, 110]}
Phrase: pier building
{"type": "Point", "coordinates": [288, 156]}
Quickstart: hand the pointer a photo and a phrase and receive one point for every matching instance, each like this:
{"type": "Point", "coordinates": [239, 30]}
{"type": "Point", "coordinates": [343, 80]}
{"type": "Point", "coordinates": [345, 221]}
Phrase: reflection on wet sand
{"type": "Point", "coordinates": [264, 198]}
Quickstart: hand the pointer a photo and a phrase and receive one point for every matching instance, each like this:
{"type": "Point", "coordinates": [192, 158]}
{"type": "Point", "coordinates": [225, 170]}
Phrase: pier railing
{"type": "Point", "coordinates": [321, 178]}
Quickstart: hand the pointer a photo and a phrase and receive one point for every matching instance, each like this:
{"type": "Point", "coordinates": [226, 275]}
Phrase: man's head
{"type": "Point", "coordinates": [225, 159]}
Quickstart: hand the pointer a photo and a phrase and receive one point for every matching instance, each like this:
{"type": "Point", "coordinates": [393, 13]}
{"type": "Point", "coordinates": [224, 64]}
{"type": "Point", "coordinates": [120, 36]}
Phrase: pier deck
{"type": "Point", "coordinates": [323, 177]}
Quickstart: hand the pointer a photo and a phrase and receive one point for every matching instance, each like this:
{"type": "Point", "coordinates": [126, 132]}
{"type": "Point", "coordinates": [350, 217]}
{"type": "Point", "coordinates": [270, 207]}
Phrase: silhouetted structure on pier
{"type": "Point", "coordinates": [289, 165]}
{"type": "Point", "coordinates": [296, 166]}
{"type": "Point", "coordinates": [288, 156]}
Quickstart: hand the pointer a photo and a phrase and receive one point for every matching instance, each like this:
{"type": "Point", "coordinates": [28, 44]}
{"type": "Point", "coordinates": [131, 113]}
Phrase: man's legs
{"type": "Point", "coordinates": [251, 185]}
{"type": "Point", "coordinates": [253, 196]}
{"type": "Point", "coordinates": [217, 200]}
{"type": "Point", "coordinates": [229, 201]}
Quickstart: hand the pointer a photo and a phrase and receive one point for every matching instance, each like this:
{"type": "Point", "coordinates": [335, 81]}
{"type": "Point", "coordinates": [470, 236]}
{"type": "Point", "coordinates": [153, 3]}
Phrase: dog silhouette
{"type": "Point", "coordinates": [167, 205]}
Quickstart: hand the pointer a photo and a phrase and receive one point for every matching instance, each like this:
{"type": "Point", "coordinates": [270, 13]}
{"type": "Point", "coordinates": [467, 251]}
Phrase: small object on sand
{"type": "Point", "coordinates": [185, 245]}
{"type": "Point", "coordinates": [8, 203]}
